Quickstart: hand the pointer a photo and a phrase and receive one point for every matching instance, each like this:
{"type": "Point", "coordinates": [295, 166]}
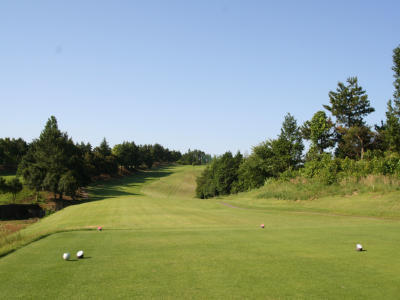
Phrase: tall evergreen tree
{"type": "Point", "coordinates": [396, 69]}
{"type": "Point", "coordinates": [275, 156]}
{"type": "Point", "coordinates": [51, 156]}
{"type": "Point", "coordinates": [392, 131]}
{"type": "Point", "coordinates": [104, 149]}
{"type": "Point", "coordinates": [103, 160]}
{"type": "Point", "coordinates": [392, 128]}
{"type": "Point", "coordinates": [290, 144]}
{"type": "Point", "coordinates": [349, 104]}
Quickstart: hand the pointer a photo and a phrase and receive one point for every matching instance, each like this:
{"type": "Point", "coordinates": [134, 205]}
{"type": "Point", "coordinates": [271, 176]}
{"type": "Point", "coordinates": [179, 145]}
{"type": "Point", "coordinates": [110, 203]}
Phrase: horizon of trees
{"type": "Point", "coordinates": [358, 149]}
{"type": "Point", "coordinates": [54, 163]}
{"type": "Point", "coordinates": [195, 157]}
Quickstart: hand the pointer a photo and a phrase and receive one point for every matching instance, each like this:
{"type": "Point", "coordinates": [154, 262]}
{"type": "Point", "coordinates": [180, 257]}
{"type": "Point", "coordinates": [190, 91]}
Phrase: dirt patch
{"type": "Point", "coordinates": [9, 227]}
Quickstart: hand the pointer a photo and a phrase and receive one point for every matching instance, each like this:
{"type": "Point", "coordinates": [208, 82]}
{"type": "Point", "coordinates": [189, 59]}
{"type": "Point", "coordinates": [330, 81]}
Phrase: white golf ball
{"type": "Point", "coordinates": [66, 256]}
{"type": "Point", "coordinates": [359, 247]}
{"type": "Point", "coordinates": [79, 254]}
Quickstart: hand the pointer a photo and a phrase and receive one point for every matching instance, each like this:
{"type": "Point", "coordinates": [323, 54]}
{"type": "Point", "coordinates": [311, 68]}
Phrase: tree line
{"type": "Point", "coordinates": [195, 157]}
{"type": "Point", "coordinates": [342, 145]}
{"type": "Point", "coordinates": [11, 152]}
{"type": "Point", "coordinates": [54, 163]}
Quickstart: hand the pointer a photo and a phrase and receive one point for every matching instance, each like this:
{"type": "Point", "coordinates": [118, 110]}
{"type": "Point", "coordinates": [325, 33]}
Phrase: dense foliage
{"type": "Point", "coordinates": [195, 157]}
{"type": "Point", "coordinates": [52, 157]}
{"type": "Point", "coordinates": [357, 150]}
{"type": "Point", "coordinates": [54, 163]}
{"type": "Point", "coordinates": [220, 177]}
{"type": "Point", "coordinates": [11, 152]}
{"type": "Point", "coordinates": [227, 174]}
{"type": "Point", "coordinates": [13, 186]}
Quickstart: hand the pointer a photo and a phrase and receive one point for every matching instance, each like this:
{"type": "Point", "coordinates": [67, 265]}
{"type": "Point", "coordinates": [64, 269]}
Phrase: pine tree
{"type": "Point", "coordinates": [349, 104]}
{"type": "Point", "coordinates": [290, 144]}
{"type": "Point", "coordinates": [396, 83]}
{"type": "Point", "coordinates": [392, 132]}
{"type": "Point", "coordinates": [104, 149]}
{"type": "Point", "coordinates": [51, 156]}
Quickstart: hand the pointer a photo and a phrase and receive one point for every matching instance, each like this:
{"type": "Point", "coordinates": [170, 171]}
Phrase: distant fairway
{"type": "Point", "coordinates": [160, 242]}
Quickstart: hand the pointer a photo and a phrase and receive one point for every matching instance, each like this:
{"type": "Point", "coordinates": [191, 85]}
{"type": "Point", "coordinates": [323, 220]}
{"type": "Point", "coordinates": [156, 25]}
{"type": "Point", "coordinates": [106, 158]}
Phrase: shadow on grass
{"type": "Point", "coordinates": [112, 188]}
{"type": "Point", "coordinates": [78, 259]}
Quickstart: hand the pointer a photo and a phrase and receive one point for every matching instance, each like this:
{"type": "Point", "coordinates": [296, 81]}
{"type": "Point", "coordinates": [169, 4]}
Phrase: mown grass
{"type": "Point", "coordinates": [98, 209]}
{"type": "Point", "coordinates": [374, 196]}
{"type": "Point", "coordinates": [160, 242]}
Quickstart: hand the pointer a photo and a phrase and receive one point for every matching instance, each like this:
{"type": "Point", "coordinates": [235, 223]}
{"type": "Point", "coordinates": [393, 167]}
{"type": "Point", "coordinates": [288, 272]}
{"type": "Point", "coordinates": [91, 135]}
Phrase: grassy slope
{"type": "Point", "coordinates": [373, 204]}
{"type": "Point", "coordinates": [160, 242]}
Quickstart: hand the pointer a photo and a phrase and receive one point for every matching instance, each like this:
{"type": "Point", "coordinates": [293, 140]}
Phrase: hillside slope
{"type": "Point", "coordinates": [160, 242]}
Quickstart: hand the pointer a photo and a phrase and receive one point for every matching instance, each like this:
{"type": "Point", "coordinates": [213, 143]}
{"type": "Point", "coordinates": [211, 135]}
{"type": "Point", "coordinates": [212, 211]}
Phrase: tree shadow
{"type": "Point", "coordinates": [112, 188]}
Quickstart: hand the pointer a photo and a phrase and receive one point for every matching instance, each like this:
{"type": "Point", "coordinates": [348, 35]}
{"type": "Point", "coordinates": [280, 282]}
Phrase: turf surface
{"type": "Point", "coordinates": [160, 242]}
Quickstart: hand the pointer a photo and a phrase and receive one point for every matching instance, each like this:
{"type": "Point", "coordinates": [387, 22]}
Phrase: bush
{"type": "Point", "coordinates": [220, 177]}
{"type": "Point", "coordinates": [323, 169]}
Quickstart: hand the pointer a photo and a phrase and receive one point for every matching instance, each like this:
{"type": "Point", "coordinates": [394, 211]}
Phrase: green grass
{"type": "Point", "coordinates": [368, 199]}
{"type": "Point", "coordinates": [303, 189]}
{"type": "Point", "coordinates": [160, 242]}
{"type": "Point", "coordinates": [25, 196]}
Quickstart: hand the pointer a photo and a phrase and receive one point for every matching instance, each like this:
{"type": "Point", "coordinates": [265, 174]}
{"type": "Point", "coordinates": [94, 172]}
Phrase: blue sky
{"type": "Point", "coordinates": [213, 75]}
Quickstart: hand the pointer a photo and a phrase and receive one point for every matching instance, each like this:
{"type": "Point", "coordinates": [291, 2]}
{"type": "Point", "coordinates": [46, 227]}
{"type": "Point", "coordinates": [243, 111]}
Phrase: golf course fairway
{"type": "Point", "coordinates": [158, 241]}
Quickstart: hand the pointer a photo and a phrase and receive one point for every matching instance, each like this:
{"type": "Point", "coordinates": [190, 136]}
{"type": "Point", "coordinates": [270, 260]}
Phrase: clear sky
{"type": "Point", "coordinates": [213, 75]}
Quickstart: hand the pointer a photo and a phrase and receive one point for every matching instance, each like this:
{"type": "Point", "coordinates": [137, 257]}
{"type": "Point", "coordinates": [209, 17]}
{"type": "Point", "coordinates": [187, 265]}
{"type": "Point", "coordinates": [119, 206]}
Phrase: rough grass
{"type": "Point", "coordinates": [160, 242]}
{"type": "Point", "coordinates": [374, 196]}
{"type": "Point", "coordinates": [9, 231]}
{"type": "Point", "coordinates": [302, 189]}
